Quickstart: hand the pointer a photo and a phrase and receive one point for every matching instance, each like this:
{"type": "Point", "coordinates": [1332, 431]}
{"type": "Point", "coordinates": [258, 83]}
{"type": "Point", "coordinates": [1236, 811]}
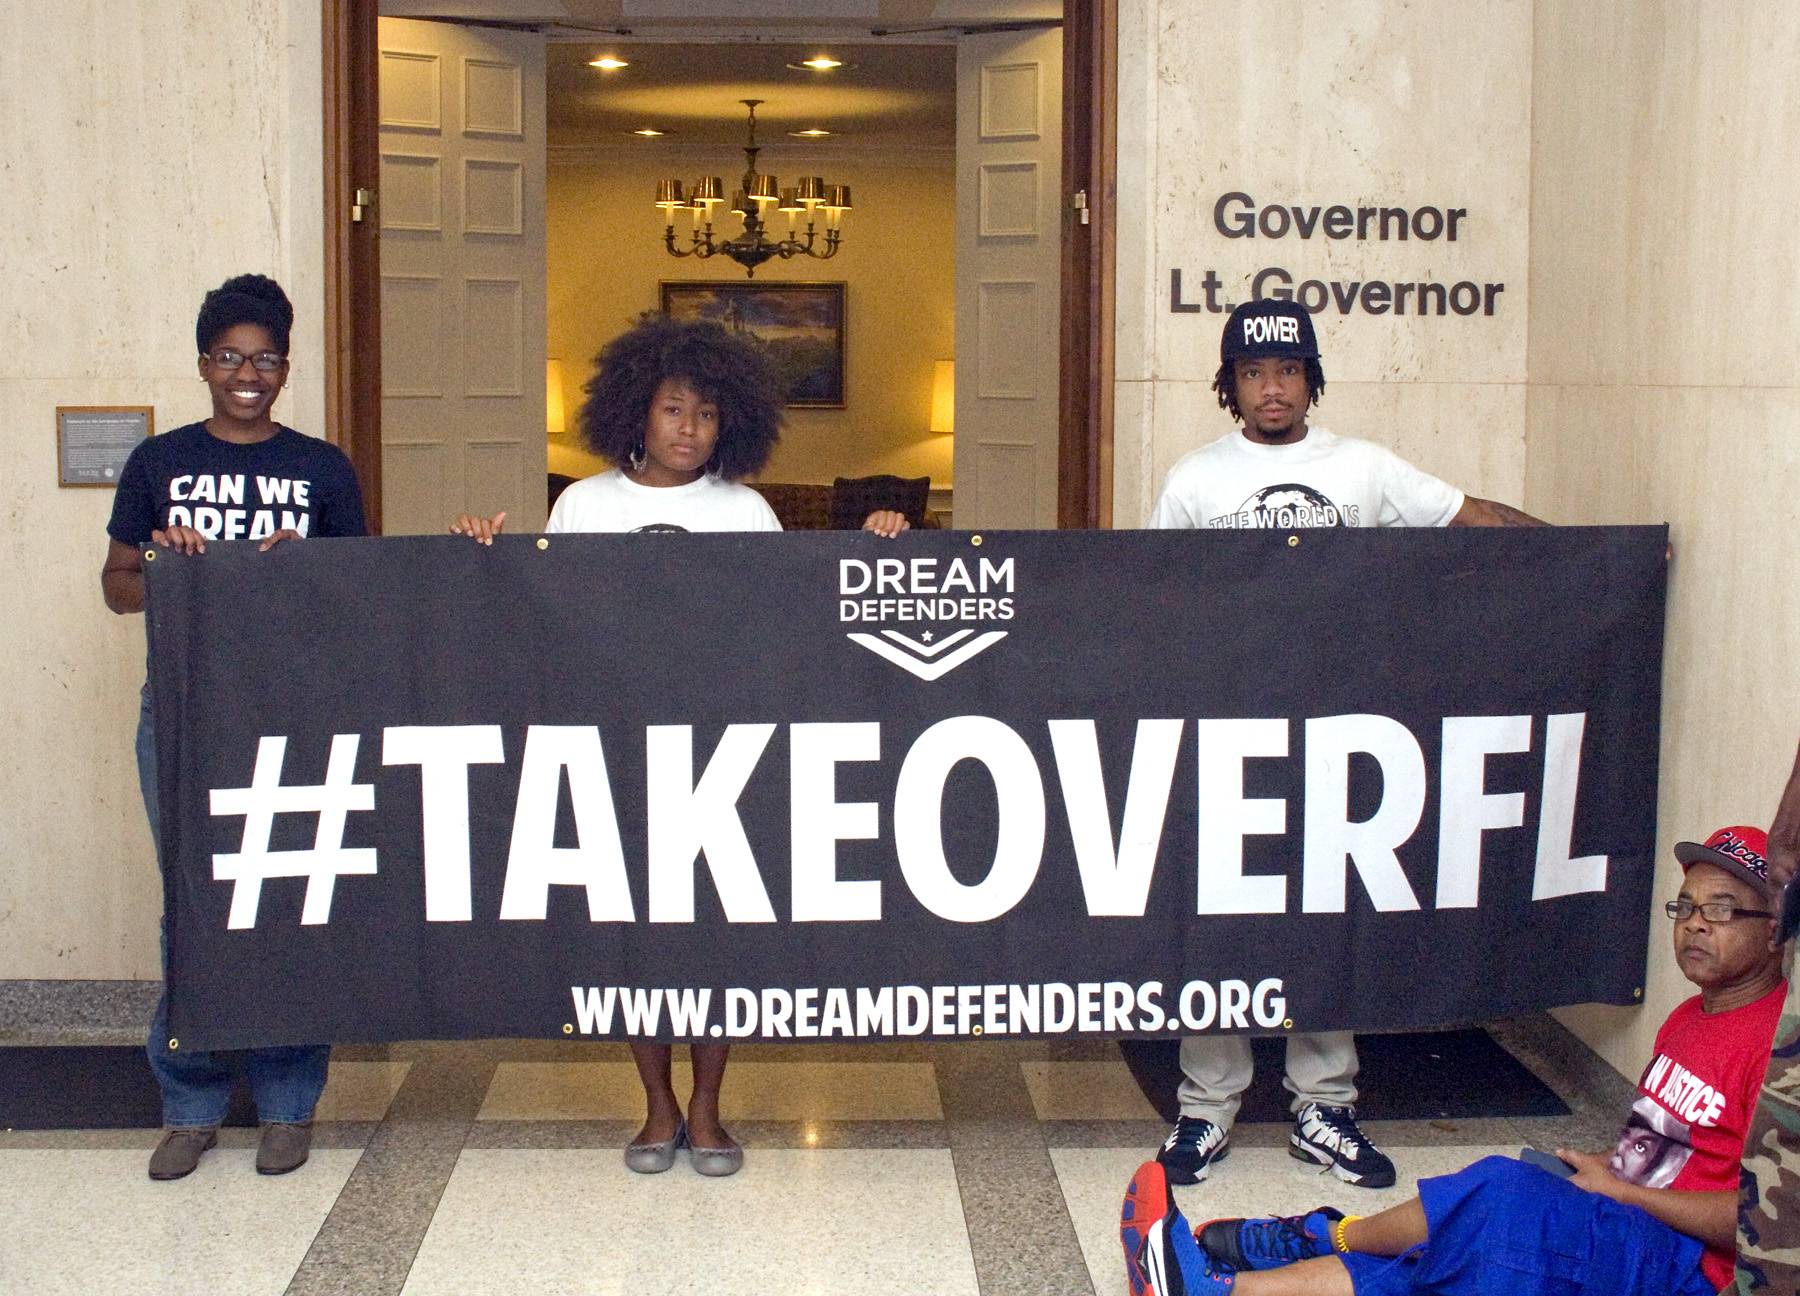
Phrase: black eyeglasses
{"type": "Point", "coordinates": [263, 361]}
{"type": "Point", "coordinates": [1714, 911]}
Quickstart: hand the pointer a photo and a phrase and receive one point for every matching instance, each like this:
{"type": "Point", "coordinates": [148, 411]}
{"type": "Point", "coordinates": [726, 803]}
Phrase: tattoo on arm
{"type": "Point", "coordinates": [1506, 515]}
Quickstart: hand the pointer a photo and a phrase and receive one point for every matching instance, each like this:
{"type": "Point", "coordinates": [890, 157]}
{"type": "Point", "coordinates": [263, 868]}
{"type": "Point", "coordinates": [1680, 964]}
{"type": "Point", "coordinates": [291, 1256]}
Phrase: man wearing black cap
{"type": "Point", "coordinates": [1278, 472]}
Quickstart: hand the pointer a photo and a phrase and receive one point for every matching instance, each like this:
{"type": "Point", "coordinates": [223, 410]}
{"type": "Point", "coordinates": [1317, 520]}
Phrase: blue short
{"type": "Point", "coordinates": [1504, 1228]}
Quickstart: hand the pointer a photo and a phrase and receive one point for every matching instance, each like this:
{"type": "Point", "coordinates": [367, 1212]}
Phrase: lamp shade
{"type": "Point", "coordinates": [555, 420]}
{"type": "Point", "coordinates": [943, 396]}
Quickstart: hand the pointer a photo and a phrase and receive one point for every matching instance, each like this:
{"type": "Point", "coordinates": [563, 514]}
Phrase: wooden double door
{"type": "Point", "coordinates": [443, 127]}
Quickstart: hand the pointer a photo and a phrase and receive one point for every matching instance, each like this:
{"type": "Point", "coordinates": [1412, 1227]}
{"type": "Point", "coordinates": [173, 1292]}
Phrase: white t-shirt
{"type": "Point", "coordinates": [1320, 480]}
{"type": "Point", "coordinates": [611, 501]}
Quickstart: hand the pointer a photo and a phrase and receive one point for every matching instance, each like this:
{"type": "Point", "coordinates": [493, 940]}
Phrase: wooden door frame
{"type": "Point", "coordinates": [1088, 303]}
{"type": "Point", "coordinates": [353, 247]}
{"type": "Point", "coordinates": [1084, 476]}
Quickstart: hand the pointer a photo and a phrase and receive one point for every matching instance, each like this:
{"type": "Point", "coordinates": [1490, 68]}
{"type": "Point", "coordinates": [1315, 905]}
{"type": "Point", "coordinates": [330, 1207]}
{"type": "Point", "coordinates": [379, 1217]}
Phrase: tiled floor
{"type": "Point", "coordinates": [985, 1169]}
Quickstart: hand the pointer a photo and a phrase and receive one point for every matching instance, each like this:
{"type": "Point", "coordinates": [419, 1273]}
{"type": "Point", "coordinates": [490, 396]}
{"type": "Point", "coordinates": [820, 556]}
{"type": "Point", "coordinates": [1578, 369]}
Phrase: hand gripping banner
{"type": "Point", "coordinates": [826, 786]}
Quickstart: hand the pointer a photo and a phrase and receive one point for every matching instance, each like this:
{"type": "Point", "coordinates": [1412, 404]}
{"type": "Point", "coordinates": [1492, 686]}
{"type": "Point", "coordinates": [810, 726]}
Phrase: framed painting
{"type": "Point", "coordinates": [799, 326]}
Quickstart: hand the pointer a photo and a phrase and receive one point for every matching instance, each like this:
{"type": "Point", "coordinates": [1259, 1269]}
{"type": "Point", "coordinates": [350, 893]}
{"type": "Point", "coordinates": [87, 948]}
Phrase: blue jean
{"type": "Point", "coordinates": [196, 1087]}
{"type": "Point", "coordinates": [1500, 1227]}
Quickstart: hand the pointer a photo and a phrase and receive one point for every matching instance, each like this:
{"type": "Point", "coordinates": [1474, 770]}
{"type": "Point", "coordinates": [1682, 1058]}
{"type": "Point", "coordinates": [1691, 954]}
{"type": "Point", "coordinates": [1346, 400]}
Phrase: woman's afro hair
{"type": "Point", "coordinates": [723, 368]}
{"type": "Point", "coordinates": [245, 299]}
{"type": "Point", "coordinates": [1225, 384]}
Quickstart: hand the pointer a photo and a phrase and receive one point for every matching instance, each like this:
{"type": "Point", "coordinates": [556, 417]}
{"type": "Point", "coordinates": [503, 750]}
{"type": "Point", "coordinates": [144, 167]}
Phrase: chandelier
{"type": "Point", "coordinates": [753, 246]}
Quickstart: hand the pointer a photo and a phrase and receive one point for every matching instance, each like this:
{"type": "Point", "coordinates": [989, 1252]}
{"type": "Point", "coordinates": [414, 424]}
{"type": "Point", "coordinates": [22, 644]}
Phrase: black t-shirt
{"type": "Point", "coordinates": [226, 491]}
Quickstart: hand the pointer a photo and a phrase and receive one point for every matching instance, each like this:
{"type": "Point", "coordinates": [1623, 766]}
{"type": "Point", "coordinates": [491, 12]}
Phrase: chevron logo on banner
{"type": "Point", "coordinates": [927, 660]}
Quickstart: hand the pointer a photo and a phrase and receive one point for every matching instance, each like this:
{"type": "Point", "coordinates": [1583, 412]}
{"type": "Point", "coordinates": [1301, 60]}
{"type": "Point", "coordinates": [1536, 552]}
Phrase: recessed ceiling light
{"type": "Point", "coordinates": [819, 63]}
{"type": "Point", "coordinates": [649, 132]}
{"type": "Point", "coordinates": [813, 133]}
{"type": "Point", "coordinates": [608, 63]}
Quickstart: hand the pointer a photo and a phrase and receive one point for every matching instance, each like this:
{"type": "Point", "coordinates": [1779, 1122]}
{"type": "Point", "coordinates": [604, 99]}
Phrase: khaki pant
{"type": "Point", "coordinates": [1321, 1068]}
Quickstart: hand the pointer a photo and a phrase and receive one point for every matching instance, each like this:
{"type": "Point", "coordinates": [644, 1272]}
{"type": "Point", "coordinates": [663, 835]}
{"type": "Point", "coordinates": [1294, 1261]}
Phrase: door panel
{"type": "Point", "coordinates": [462, 275]}
{"type": "Point", "coordinates": [1008, 265]}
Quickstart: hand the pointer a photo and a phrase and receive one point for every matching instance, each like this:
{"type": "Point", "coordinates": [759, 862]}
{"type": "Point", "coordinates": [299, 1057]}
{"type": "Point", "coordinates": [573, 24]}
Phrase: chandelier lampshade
{"type": "Point", "coordinates": [752, 203]}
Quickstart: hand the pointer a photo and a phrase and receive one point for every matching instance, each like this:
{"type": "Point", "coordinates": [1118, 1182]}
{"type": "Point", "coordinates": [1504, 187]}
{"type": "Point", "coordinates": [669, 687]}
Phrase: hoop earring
{"type": "Point", "coordinates": [638, 458]}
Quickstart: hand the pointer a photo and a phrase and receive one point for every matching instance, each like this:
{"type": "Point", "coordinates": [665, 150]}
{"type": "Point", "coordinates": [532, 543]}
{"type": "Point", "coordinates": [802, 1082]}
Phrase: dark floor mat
{"type": "Point", "coordinates": [89, 1087]}
{"type": "Point", "coordinates": [1439, 1075]}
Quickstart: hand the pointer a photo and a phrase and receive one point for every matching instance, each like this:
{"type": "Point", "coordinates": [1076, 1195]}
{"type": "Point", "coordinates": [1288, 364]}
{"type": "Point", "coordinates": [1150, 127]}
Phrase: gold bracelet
{"type": "Point", "coordinates": [1337, 1234]}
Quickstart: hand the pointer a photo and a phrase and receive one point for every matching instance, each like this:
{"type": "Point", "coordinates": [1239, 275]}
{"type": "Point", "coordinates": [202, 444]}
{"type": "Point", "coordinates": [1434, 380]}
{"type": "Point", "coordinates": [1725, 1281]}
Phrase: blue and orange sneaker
{"type": "Point", "coordinates": [1271, 1242]}
{"type": "Point", "coordinates": [1161, 1256]}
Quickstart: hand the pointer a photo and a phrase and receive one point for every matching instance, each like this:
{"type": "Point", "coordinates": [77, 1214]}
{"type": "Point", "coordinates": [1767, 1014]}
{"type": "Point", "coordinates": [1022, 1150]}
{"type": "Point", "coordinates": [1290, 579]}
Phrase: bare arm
{"type": "Point", "coordinates": [1489, 513]}
{"type": "Point", "coordinates": [1709, 1216]}
{"type": "Point", "coordinates": [122, 578]}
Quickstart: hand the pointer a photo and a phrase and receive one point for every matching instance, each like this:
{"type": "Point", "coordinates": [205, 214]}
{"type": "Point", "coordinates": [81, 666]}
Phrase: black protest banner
{"type": "Point", "coordinates": [829, 786]}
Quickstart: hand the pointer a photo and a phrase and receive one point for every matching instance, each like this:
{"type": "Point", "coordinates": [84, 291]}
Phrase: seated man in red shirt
{"type": "Point", "coordinates": [1657, 1215]}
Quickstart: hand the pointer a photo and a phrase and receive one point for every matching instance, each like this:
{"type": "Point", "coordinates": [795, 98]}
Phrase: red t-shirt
{"type": "Point", "coordinates": [1695, 1100]}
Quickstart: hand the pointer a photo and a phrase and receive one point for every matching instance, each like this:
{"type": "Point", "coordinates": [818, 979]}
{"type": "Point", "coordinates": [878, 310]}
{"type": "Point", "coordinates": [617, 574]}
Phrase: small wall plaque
{"type": "Point", "coordinates": [93, 441]}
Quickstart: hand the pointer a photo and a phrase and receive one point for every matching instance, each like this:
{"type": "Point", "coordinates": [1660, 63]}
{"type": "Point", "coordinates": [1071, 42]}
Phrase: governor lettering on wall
{"type": "Point", "coordinates": [1237, 215]}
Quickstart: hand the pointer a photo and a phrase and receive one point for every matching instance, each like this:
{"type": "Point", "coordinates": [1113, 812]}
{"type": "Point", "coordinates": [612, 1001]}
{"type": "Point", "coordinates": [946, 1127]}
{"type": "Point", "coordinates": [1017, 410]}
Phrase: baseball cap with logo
{"type": "Point", "coordinates": [1268, 328]}
{"type": "Point", "coordinates": [1742, 852]}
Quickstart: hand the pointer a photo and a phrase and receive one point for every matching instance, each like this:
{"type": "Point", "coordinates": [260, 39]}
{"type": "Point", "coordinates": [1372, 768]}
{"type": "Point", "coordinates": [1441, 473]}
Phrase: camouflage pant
{"type": "Point", "coordinates": [1769, 1186]}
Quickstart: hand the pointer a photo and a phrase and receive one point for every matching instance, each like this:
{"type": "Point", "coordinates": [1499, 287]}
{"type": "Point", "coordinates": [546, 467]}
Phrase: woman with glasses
{"type": "Point", "coordinates": [237, 475]}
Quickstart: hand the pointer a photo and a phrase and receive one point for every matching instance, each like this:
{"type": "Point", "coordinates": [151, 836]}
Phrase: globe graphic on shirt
{"type": "Point", "coordinates": [1291, 505]}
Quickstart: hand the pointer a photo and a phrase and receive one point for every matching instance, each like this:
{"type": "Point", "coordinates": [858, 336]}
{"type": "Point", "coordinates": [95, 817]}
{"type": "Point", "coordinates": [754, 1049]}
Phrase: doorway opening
{"type": "Point", "coordinates": [440, 321]}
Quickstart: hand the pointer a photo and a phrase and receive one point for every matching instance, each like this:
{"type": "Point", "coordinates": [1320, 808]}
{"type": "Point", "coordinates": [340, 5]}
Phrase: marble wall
{"type": "Point", "coordinates": [1629, 173]}
{"type": "Point", "coordinates": [150, 152]}
{"type": "Point", "coordinates": [1664, 365]}
{"type": "Point", "coordinates": [1312, 106]}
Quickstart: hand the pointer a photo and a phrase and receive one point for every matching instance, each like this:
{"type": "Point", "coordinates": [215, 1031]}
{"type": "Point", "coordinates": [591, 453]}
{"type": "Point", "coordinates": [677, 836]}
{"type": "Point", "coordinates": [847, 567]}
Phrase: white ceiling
{"type": "Point", "coordinates": [648, 17]}
{"type": "Point", "coordinates": [693, 60]}
{"type": "Point", "coordinates": [887, 99]}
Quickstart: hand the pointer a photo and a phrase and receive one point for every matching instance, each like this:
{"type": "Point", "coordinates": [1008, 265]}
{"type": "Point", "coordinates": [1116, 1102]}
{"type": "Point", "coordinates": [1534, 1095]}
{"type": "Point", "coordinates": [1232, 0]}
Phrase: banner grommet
{"type": "Point", "coordinates": [1293, 542]}
{"type": "Point", "coordinates": [975, 540]}
{"type": "Point", "coordinates": [543, 542]}
{"type": "Point", "coordinates": [149, 555]}
{"type": "Point", "coordinates": [174, 1044]}
{"type": "Point", "coordinates": [568, 1028]}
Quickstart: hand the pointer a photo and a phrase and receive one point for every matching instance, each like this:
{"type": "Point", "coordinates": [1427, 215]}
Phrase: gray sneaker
{"type": "Point", "coordinates": [179, 1152]}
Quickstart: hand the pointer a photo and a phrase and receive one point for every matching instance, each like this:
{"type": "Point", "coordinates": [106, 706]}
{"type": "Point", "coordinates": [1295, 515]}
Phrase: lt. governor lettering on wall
{"type": "Point", "coordinates": [1237, 215]}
